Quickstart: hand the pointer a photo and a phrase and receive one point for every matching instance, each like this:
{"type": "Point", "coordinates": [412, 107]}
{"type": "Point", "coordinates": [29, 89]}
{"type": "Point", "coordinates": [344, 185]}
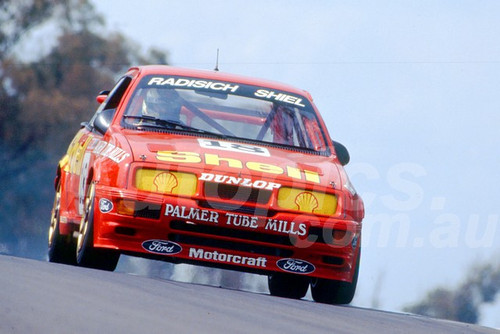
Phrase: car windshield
{"type": "Point", "coordinates": [229, 110]}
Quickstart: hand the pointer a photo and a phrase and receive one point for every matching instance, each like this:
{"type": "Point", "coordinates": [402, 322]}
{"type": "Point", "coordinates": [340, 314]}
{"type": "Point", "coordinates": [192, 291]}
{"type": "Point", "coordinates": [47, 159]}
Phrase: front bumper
{"type": "Point", "coordinates": [214, 234]}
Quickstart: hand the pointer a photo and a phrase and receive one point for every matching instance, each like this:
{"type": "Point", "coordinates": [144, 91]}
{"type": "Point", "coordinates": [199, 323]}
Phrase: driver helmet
{"type": "Point", "coordinates": [162, 104]}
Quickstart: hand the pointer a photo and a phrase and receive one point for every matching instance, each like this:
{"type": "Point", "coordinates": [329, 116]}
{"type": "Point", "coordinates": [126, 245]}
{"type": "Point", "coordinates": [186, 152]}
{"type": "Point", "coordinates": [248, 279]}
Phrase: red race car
{"type": "Point", "coordinates": [212, 169]}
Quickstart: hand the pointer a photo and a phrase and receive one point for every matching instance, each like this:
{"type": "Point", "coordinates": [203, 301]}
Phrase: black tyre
{"type": "Point", "coordinates": [288, 285]}
{"type": "Point", "coordinates": [61, 247]}
{"type": "Point", "coordinates": [86, 254]}
{"type": "Point", "coordinates": [334, 292]}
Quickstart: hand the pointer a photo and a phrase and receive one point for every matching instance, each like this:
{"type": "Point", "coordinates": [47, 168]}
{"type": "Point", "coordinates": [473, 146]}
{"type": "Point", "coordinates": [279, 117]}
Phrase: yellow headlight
{"type": "Point", "coordinates": [165, 182]}
{"type": "Point", "coordinates": [307, 201]}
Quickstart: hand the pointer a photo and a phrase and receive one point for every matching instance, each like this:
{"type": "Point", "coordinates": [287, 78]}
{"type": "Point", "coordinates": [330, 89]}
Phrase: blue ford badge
{"type": "Point", "coordinates": [105, 205]}
{"type": "Point", "coordinates": [161, 247]}
{"type": "Point", "coordinates": [296, 266]}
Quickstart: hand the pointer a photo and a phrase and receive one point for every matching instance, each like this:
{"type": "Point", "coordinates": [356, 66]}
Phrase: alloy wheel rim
{"type": "Point", "coordinates": [55, 218]}
{"type": "Point", "coordinates": [85, 219]}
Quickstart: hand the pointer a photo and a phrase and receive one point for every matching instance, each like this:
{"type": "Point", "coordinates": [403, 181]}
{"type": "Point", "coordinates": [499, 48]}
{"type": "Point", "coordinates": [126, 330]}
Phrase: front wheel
{"type": "Point", "coordinates": [61, 247]}
{"type": "Point", "coordinates": [288, 285]}
{"type": "Point", "coordinates": [86, 254]}
{"type": "Point", "coordinates": [334, 292]}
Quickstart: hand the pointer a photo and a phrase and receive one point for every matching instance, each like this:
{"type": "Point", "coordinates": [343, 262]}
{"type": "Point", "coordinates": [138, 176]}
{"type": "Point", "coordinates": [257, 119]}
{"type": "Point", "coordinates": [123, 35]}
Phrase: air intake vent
{"type": "Point", "coordinates": [228, 192]}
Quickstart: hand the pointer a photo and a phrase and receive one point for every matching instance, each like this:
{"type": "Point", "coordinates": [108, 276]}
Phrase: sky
{"type": "Point", "coordinates": [410, 87]}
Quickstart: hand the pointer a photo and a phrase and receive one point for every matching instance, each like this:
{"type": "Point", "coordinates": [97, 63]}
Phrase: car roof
{"type": "Point", "coordinates": [216, 75]}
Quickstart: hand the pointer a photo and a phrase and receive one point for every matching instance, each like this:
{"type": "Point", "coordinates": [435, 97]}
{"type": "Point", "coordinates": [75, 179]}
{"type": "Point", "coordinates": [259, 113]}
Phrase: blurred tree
{"type": "Point", "coordinates": [42, 103]}
{"type": "Point", "coordinates": [462, 304]}
{"type": "Point", "coordinates": [56, 92]}
{"type": "Point", "coordinates": [18, 17]}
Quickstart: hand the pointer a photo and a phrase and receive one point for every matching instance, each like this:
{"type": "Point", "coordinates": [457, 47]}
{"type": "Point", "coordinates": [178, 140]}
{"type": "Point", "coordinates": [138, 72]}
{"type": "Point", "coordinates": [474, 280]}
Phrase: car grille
{"type": "Point", "coordinates": [238, 208]}
{"type": "Point", "coordinates": [228, 192]}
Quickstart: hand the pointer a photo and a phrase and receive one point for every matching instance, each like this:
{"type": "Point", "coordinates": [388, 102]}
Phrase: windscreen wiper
{"type": "Point", "coordinates": [170, 124]}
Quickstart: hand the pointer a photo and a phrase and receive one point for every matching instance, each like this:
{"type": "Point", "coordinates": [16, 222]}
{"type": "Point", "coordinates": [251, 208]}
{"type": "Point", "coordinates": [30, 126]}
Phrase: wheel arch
{"type": "Point", "coordinates": [63, 165]}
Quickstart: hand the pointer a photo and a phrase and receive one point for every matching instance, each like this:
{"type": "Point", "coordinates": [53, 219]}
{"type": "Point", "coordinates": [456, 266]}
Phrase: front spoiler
{"type": "Point", "coordinates": [202, 241]}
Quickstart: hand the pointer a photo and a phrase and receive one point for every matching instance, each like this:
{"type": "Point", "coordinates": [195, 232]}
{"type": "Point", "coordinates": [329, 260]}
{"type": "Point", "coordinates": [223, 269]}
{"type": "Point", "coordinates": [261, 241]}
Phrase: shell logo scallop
{"type": "Point", "coordinates": [165, 182]}
{"type": "Point", "coordinates": [306, 202]}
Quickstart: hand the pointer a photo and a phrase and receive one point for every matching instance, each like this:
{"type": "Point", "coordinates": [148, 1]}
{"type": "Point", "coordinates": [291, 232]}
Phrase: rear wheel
{"type": "Point", "coordinates": [86, 254]}
{"type": "Point", "coordinates": [288, 285]}
{"type": "Point", "coordinates": [61, 247]}
{"type": "Point", "coordinates": [334, 292]}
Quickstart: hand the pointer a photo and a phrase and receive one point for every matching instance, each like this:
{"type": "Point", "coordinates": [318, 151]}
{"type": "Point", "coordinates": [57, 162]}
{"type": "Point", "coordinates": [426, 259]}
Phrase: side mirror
{"type": "Point", "coordinates": [103, 120]}
{"type": "Point", "coordinates": [342, 153]}
{"type": "Point", "coordinates": [102, 96]}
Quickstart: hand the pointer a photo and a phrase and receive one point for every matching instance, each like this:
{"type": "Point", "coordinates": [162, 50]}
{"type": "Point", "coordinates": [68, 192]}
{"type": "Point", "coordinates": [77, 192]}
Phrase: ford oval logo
{"type": "Point", "coordinates": [296, 266]}
{"type": "Point", "coordinates": [105, 205]}
{"type": "Point", "coordinates": [161, 247]}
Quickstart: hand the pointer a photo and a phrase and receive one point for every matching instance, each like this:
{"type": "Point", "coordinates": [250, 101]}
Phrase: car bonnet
{"type": "Point", "coordinates": [234, 158]}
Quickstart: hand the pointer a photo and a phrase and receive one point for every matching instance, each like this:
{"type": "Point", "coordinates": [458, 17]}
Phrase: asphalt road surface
{"type": "Point", "coordinates": [41, 297]}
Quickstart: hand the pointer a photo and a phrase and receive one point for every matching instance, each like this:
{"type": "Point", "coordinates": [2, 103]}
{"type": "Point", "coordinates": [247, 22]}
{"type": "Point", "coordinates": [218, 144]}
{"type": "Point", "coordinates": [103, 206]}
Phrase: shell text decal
{"type": "Point", "coordinates": [217, 160]}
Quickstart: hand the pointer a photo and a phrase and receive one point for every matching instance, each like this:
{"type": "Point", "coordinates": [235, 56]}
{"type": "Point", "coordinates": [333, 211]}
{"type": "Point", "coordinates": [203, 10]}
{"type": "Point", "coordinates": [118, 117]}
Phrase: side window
{"type": "Point", "coordinates": [112, 101]}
